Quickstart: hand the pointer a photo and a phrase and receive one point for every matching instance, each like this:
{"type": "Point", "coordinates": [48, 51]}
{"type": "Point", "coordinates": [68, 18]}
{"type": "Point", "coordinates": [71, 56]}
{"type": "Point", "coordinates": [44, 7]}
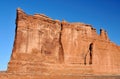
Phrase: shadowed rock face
{"type": "Point", "coordinates": [47, 46]}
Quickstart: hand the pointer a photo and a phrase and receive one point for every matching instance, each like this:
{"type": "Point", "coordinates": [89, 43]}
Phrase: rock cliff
{"type": "Point", "coordinates": [46, 46]}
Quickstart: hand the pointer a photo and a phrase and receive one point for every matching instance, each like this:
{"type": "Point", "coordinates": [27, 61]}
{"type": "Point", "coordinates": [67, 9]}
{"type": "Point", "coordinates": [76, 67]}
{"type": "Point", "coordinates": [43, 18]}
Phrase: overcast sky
{"type": "Point", "coordinates": [99, 13]}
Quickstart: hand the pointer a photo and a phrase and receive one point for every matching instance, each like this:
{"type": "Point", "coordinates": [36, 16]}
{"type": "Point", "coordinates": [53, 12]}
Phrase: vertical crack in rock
{"type": "Point", "coordinates": [61, 50]}
{"type": "Point", "coordinates": [91, 52]}
{"type": "Point", "coordinates": [27, 39]}
{"type": "Point", "coordinates": [39, 40]}
{"type": "Point", "coordinates": [90, 55]}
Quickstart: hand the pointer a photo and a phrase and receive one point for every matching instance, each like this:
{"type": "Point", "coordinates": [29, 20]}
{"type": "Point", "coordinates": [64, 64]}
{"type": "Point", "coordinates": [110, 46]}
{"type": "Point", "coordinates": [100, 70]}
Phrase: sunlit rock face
{"type": "Point", "coordinates": [47, 46]}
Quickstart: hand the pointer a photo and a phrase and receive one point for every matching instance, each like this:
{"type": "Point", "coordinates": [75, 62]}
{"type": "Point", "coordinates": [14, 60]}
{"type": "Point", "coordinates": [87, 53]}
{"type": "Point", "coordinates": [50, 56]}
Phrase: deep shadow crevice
{"type": "Point", "coordinates": [61, 50]}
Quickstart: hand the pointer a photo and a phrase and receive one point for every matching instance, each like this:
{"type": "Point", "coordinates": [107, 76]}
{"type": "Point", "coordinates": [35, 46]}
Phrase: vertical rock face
{"type": "Point", "coordinates": [36, 35]}
{"type": "Point", "coordinates": [37, 40]}
{"type": "Point", "coordinates": [50, 46]}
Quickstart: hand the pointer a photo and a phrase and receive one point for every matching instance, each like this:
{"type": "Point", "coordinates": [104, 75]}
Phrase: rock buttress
{"type": "Point", "coordinates": [83, 46]}
{"type": "Point", "coordinates": [37, 41]}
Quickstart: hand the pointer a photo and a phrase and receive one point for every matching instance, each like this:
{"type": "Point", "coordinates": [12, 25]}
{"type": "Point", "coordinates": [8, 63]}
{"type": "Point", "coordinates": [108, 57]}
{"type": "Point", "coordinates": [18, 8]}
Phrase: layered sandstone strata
{"type": "Point", "coordinates": [46, 46]}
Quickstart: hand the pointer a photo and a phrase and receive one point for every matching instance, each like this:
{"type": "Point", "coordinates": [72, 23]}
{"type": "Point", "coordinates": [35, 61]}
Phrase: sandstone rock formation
{"type": "Point", "coordinates": [46, 46]}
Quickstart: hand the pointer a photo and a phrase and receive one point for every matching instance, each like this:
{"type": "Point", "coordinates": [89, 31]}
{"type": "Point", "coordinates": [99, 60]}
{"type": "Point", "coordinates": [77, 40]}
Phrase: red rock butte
{"type": "Point", "coordinates": [44, 46]}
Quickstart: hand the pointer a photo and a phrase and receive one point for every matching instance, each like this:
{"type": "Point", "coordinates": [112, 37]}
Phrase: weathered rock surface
{"type": "Point", "coordinates": [46, 46]}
